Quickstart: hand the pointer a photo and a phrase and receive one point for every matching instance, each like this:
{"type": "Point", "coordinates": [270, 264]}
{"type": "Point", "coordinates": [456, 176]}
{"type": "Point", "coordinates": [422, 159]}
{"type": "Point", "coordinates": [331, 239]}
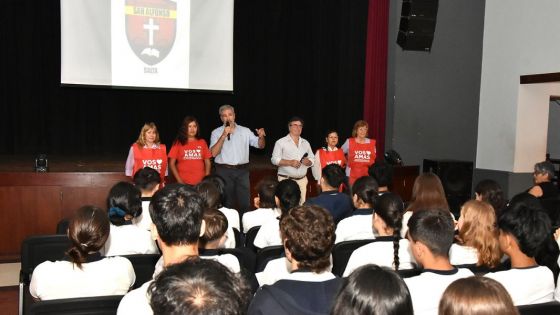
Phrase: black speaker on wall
{"type": "Point", "coordinates": [418, 24]}
{"type": "Point", "coordinates": [456, 178]}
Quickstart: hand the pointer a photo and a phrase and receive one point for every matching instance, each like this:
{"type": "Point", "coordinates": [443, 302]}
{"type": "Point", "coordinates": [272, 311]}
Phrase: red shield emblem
{"type": "Point", "coordinates": [150, 28]}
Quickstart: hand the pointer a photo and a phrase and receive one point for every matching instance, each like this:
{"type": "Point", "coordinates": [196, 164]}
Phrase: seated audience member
{"type": "Point", "coordinates": [542, 177]}
{"type": "Point", "coordinates": [84, 272]}
{"type": "Point", "coordinates": [232, 214]}
{"type": "Point", "coordinates": [371, 289]}
{"type": "Point", "coordinates": [382, 172]}
{"type": "Point", "coordinates": [389, 249]}
{"type": "Point", "coordinates": [265, 205]}
{"type": "Point", "coordinates": [176, 212]}
{"type": "Point", "coordinates": [147, 180]}
{"type": "Point", "coordinates": [427, 193]}
{"type": "Point", "coordinates": [124, 204]}
{"type": "Point", "coordinates": [215, 237]}
{"type": "Point", "coordinates": [308, 238]}
{"type": "Point", "coordinates": [522, 233]}
{"type": "Point", "coordinates": [287, 196]}
{"type": "Point", "coordinates": [476, 296]}
{"type": "Point", "coordinates": [358, 226]}
{"type": "Point", "coordinates": [430, 233]}
{"type": "Point", "coordinates": [337, 203]}
{"type": "Point", "coordinates": [199, 286]}
{"type": "Point", "coordinates": [212, 196]}
{"type": "Point", "coordinates": [490, 191]}
{"type": "Point", "coordinates": [477, 241]}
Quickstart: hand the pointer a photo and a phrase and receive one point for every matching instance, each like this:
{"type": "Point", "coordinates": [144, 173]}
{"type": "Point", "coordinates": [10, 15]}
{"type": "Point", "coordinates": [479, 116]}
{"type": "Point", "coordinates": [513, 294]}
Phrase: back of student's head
{"type": "Point", "coordinates": [88, 231]}
{"type": "Point", "coordinates": [434, 228]}
{"type": "Point", "coordinates": [476, 296]}
{"type": "Point", "coordinates": [529, 226]}
{"type": "Point", "coordinates": [427, 193]}
{"type": "Point", "coordinates": [216, 225]}
{"type": "Point", "coordinates": [523, 199]}
{"type": "Point", "coordinates": [220, 184]}
{"type": "Point", "coordinates": [366, 189]}
{"type": "Point", "coordinates": [199, 286]}
{"type": "Point", "coordinates": [147, 179]}
{"type": "Point", "coordinates": [491, 192]}
{"type": "Point", "coordinates": [288, 194]}
{"type": "Point", "coordinates": [333, 175]}
{"type": "Point", "coordinates": [266, 189]}
{"type": "Point", "coordinates": [389, 207]}
{"type": "Point", "coordinates": [382, 172]}
{"type": "Point", "coordinates": [176, 211]}
{"type": "Point", "coordinates": [308, 233]}
{"type": "Point", "coordinates": [210, 194]}
{"type": "Point", "coordinates": [123, 203]}
{"type": "Point", "coordinates": [371, 289]}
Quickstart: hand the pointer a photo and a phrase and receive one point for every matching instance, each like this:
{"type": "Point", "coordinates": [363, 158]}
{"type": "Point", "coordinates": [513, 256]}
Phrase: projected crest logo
{"type": "Point", "coordinates": [151, 28]}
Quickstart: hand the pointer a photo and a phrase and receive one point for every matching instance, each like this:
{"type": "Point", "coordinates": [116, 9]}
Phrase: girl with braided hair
{"type": "Point", "coordinates": [389, 249]}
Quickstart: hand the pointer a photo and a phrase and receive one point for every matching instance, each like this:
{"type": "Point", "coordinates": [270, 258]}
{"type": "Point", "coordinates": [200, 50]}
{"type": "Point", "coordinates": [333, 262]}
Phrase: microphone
{"type": "Point", "coordinates": [228, 135]}
{"type": "Point", "coordinates": [303, 157]}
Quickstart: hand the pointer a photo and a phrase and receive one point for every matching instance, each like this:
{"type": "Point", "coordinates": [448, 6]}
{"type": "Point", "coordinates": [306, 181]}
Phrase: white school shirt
{"type": "Point", "coordinates": [144, 221]}
{"type": "Point", "coordinates": [530, 285]}
{"type": "Point", "coordinates": [232, 217]}
{"type": "Point", "coordinates": [286, 149]}
{"type": "Point", "coordinates": [276, 269]}
{"type": "Point", "coordinates": [268, 234]}
{"type": "Point", "coordinates": [380, 253]}
{"type": "Point", "coordinates": [356, 227]}
{"type": "Point", "coordinates": [129, 240]}
{"type": "Point", "coordinates": [258, 217]}
{"type": "Point", "coordinates": [463, 255]}
{"type": "Point", "coordinates": [228, 260]}
{"type": "Point", "coordinates": [136, 302]}
{"type": "Point", "coordinates": [427, 288]}
{"type": "Point", "coordinates": [64, 280]}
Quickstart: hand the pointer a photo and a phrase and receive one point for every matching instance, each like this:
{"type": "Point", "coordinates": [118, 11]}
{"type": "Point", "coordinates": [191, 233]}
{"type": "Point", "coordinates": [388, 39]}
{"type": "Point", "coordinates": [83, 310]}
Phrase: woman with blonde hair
{"type": "Point", "coordinates": [476, 296]}
{"type": "Point", "coordinates": [360, 150]}
{"type": "Point", "coordinates": [147, 151]}
{"type": "Point", "coordinates": [478, 237]}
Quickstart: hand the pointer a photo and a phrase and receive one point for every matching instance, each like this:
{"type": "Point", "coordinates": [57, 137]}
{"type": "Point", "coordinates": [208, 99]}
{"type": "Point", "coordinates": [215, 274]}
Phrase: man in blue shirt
{"type": "Point", "coordinates": [338, 204]}
{"type": "Point", "coordinates": [229, 145]}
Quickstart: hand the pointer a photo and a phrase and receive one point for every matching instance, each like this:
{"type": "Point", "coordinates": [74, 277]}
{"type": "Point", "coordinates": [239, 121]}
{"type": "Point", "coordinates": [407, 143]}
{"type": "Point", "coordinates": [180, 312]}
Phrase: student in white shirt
{"type": "Point", "coordinates": [85, 273]}
{"type": "Point", "coordinates": [477, 241]}
{"type": "Point", "coordinates": [430, 233]}
{"type": "Point", "coordinates": [215, 237]}
{"type": "Point", "coordinates": [124, 205]}
{"type": "Point", "coordinates": [358, 226]}
{"type": "Point", "coordinates": [287, 196]}
{"type": "Point", "coordinates": [389, 249]}
{"type": "Point", "coordinates": [523, 231]}
{"type": "Point", "coordinates": [211, 193]}
{"type": "Point", "coordinates": [176, 212]}
{"type": "Point", "coordinates": [265, 205]}
{"type": "Point", "coordinates": [147, 180]}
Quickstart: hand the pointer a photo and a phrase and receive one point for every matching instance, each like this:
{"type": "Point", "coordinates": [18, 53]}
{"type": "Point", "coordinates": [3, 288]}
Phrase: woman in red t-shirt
{"type": "Point", "coordinates": [189, 157]}
{"type": "Point", "coordinates": [360, 150]}
{"type": "Point", "coordinates": [147, 151]}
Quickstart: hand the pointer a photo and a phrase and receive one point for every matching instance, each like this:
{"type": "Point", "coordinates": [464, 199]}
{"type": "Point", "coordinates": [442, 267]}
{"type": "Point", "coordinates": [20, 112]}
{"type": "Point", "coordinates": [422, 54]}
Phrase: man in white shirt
{"type": "Point", "coordinates": [431, 235]}
{"type": "Point", "coordinates": [293, 156]}
{"type": "Point", "coordinates": [176, 212]}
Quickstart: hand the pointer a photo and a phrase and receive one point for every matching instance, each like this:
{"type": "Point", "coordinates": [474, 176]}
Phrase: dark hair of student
{"type": "Point", "coordinates": [491, 192]}
{"type": "Point", "coordinates": [199, 287]}
{"type": "Point", "coordinates": [434, 228]}
{"type": "Point", "coordinates": [366, 188]}
{"type": "Point", "coordinates": [371, 289]}
{"type": "Point", "coordinates": [220, 183]}
{"type": "Point", "coordinates": [123, 202]}
{"type": "Point", "coordinates": [334, 175]}
{"type": "Point", "coordinates": [289, 195]}
{"type": "Point", "coordinates": [182, 134]}
{"type": "Point", "coordinates": [390, 208]}
{"type": "Point", "coordinates": [210, 193]}
{"type": "Point", "coordinates": [266, 189]}
{"type": "Point", "coordinates": [382, 172]}
{"type": "Point", "coordinates": [215, 228]}
{"type": "Point", "coordinates": [146, 179]}
{"type": "Point", "coordinates": [530, 227]}
{"type": "Point", "coordinates": [88, 231]}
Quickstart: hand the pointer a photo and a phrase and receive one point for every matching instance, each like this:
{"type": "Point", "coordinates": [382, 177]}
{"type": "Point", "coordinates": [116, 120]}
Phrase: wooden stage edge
{"type": "Point", "coordinates": [33, 203]}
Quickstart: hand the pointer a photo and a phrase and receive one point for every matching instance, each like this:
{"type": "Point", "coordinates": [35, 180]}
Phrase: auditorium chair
{"type": "Point", "coordinates": [539, 309]}
{"type": "Point", "coordinates": [250, 238]}
{"type": "Point", "coordinates": [407, 273]}
{"type": "Point", "coordinates": [35, 250]}
{"type": "Point", "coordinates": [99, 305]}
{"type": "Point", "coordinates": [144, 266]}
{"type": "Point", "coordinates": [341, 254]}
{"type": "Point", "coordinates": [482, 270]}
{"type": "Point", "coordinates": [239, 241]}
{"type": "Point", "coordinates": [267, 254]}
{"type": "Point", "coordinates": [246, 257]}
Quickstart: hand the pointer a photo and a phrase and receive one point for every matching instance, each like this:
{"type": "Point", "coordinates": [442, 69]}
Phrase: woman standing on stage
{"type": "Point", "coordinates": [147, 151]}
{"type": "Point", "coordinates": [328, 154]}
{"type": "Point", "coordinates": [360, 151]}
{"type": "Point", "coordinates": [189, 157]}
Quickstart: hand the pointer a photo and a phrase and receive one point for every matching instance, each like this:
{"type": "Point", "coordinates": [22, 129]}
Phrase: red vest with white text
{"type": "Point", "coordinates": [331, 157]}
{"type": "Point", "coordinates": [360, 157]}
{"type": "Point", "coordinates": [155, 158]}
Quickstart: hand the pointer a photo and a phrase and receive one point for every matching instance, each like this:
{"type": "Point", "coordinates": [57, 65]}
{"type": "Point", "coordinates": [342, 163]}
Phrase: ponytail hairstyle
{"type": "Point", "coordinates": [88, 231]}
{"type": "Point", "coordinates": [389, 208]}
{"type": "Point", "coordinates": [123, 203]}
{"type": "Point", "coordinates": [288, 194]}
{"type": "Point", "coordinates": [365, 188]}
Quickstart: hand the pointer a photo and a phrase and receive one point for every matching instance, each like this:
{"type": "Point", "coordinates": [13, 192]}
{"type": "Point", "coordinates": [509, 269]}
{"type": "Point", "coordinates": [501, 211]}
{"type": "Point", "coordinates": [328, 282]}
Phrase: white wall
{"type": "Point", "coordinates": [520, 37]}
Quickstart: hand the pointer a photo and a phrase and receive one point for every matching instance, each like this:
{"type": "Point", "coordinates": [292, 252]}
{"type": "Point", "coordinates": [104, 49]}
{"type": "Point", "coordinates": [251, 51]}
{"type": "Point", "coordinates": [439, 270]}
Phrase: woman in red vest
{"type": "Point", "coordinates": [189, 157]}
{"type": "Point", "coordinates": [329, 154]}
{"type": "Point", "coordinates": [360, 151]}
{"type": "Point", "coordinates": [147, 151]}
